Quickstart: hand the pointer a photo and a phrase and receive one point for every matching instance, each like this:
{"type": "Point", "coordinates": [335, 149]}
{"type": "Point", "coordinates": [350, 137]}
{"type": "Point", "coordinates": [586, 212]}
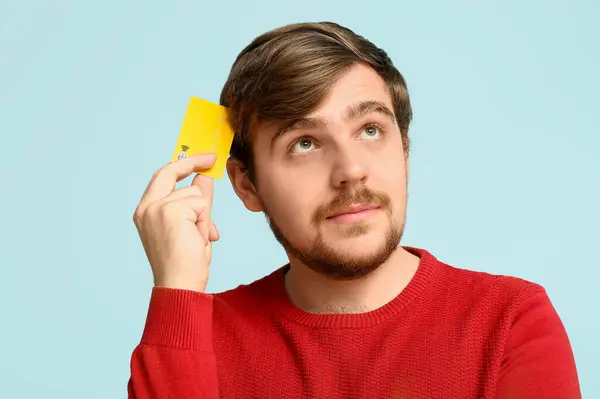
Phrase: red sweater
{"type": "Point", "coordinates": [451, 333]}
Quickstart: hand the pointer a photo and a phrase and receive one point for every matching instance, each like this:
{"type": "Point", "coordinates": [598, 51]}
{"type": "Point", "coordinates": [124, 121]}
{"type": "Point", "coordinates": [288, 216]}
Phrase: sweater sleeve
{"type": "Point", "coordinates": [175, 358]}
{"type": "Point", "coordinates": [538, 360]}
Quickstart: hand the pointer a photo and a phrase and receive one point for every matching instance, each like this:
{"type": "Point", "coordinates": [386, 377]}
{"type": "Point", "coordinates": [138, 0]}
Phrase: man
{"type": "Point", "coordinates": [321, 118]}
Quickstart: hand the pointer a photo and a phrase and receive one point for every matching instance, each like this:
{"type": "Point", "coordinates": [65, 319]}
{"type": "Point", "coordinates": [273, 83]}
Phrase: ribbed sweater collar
{"type": "Point", "coordinates": [280, 303]}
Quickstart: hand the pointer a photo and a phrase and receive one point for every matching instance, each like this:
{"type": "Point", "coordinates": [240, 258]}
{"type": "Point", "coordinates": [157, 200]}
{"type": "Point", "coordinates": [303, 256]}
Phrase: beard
{"type": "Point", "coordinates": [337, 264]}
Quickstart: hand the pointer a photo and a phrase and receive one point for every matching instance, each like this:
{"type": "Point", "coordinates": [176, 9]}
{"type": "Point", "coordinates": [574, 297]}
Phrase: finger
{"type": "Point", "coordinates": [193, 209]}
{"type": "Point", "coordinates": [188, 191]}
{"type": "Point", "coordinates": [206, 185]}
{"type": "Point", "coordinates": [166, 178]}
{"type": "Point", "coordinates": [208, 250]}
{"type": "Point", "coordinates": [213, 233]}
{"type": "Point", "coordinates": [152, 179]}
{"type": "Point", "coordinates": [204, 231]}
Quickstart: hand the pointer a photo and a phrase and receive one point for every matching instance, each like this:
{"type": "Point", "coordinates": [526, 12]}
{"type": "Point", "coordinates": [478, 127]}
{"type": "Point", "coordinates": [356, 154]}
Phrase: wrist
{"type": "Point", "coordinates": [181, 283]}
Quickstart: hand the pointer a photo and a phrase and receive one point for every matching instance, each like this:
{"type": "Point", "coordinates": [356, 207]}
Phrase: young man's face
{"type": "Point", "coordinates": [333, 185]}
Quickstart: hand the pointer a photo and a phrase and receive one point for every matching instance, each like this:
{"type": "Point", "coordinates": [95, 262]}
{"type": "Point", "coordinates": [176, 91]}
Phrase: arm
{"type": "Point", "coordinates": [175, 358]}
{"type": "Point", "coordinates": [538, 360]}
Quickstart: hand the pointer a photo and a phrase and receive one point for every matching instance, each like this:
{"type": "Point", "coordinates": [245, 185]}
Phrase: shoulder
{"type": "Point", "coordinates": [252, 297]}
{"type": "Point", "coordinates": [477, 283]}
{"type": "Point", "coordinates": [506, 311]}
{"type": "Point", "coordinates": [495, 294]}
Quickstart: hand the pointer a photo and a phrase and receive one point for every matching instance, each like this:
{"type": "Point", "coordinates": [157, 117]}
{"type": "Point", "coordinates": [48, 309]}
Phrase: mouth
{"type": "Point", "coordinates": [354, 213]}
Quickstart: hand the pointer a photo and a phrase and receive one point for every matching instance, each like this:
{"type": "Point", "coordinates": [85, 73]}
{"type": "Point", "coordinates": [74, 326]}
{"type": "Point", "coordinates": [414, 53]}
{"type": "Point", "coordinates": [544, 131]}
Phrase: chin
{"type": "Point", "coordinates": [351, 258]}
{"type": "Point", "coordinates": [350, 236]}
{"type": "Point", "coordinates": [345, 251]}
{"type": "Point", "coordinates": [359, 250]}
{"type": "Point", "coordinates": [348, 264]}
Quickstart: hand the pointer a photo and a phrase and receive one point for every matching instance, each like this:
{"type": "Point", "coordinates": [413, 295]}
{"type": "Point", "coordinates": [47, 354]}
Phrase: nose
{"type": "Point", "coordinates": [350, 168]}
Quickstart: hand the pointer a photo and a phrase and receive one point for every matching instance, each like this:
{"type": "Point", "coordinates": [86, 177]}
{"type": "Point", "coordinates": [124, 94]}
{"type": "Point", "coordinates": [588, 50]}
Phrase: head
{"type": "Point", "coordinates": [321, 145]}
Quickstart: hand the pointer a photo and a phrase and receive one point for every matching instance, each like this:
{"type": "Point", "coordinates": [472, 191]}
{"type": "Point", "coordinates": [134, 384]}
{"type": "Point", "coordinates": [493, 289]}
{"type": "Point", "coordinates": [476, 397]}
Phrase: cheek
{"type": "Point", "coordinates": [389, 175]}
{"type": "Point", "coordinates": [290, 202]}
{"type": "Point", "coordinates": [390, 167]}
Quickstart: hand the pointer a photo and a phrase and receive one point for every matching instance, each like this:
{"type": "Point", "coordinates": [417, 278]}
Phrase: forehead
{"type": "Point", "coordinates": [360, 83]}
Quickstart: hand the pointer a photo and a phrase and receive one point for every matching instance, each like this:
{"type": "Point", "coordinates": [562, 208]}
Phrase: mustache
{"type": "Point", "coordinates": [364, 195]}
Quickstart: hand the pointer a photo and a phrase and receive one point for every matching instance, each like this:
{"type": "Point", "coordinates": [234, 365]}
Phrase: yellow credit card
{"type": "Point", "coordinates": [205, 129]}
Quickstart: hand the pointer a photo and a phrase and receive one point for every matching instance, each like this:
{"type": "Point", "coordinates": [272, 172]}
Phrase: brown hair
{"type": "Point", "coordinates": [286, 73]}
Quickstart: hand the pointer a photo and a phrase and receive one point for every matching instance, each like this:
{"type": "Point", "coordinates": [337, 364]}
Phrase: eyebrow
{"type": "Point", "coordinates": [353, 112]}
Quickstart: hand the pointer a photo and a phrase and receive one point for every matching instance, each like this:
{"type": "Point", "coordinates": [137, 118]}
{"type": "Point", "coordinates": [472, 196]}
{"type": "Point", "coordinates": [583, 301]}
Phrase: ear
{"type": "Point", "coordinates": [242, 185]}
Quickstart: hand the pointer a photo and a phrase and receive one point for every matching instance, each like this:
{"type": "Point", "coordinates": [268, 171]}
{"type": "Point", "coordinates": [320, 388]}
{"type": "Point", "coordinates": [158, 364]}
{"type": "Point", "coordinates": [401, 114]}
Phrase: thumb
{"type": "Point", "coordinates": [206, 184]}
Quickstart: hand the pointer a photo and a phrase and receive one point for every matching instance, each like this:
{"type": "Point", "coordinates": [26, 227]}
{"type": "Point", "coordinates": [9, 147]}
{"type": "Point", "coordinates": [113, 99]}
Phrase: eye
{"type": "Point", "coordinates": [371, 132]}
{"type": "Point", "coordinates": [303, 145]}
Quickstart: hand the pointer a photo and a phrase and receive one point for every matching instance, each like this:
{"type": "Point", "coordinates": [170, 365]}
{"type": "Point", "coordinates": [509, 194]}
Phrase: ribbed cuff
{"type": "Point", "coordinates": [179, 319]}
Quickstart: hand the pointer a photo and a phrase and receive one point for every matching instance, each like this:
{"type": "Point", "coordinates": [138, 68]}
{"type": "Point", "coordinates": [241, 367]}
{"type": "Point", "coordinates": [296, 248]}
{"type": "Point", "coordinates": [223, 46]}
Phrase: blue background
{"type": "Point", "coordinates": [505, 165]}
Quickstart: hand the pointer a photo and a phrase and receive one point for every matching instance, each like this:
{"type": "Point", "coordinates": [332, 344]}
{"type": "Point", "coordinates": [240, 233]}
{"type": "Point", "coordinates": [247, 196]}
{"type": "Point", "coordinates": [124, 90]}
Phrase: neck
{"type": "Point", "coordinates": [316, 293]}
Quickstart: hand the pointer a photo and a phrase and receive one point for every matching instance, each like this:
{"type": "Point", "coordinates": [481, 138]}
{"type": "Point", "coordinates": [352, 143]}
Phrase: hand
{"type": "Point", "coordinates": [175, 225]}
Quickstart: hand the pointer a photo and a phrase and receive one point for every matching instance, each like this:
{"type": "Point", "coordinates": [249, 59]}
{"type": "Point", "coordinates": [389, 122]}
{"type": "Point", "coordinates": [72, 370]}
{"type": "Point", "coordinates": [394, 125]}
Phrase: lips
{"type": "Point", "coordinates": [353, 209]}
